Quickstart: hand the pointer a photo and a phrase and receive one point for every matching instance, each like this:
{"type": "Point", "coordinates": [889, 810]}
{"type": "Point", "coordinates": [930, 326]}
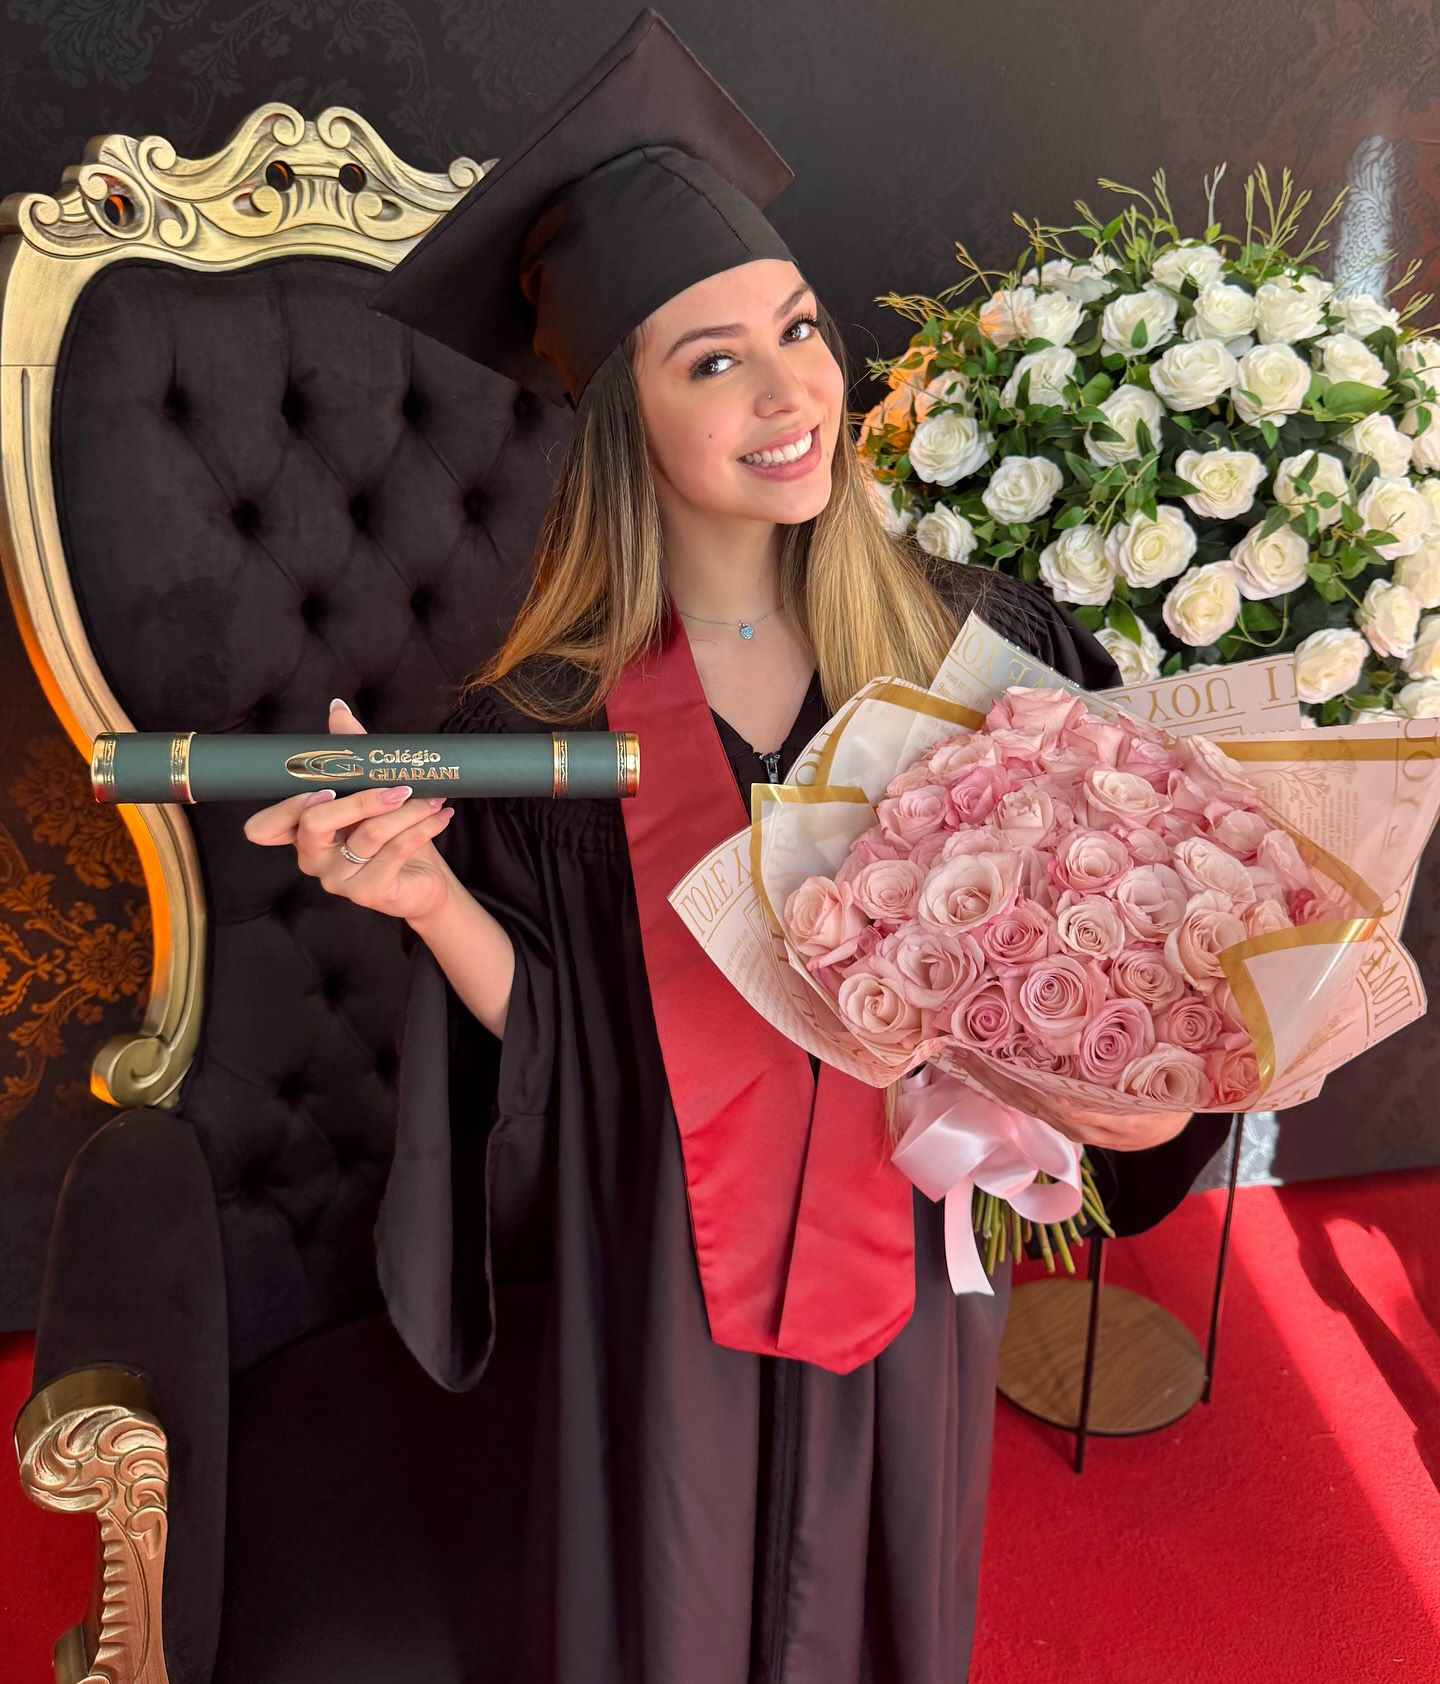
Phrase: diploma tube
{"type": "Point", "coordinates": [186, 766]}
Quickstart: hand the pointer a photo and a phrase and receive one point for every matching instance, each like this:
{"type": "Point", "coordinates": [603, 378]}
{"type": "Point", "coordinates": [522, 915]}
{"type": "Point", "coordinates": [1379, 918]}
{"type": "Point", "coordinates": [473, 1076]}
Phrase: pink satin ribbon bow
{"type": "Point", "coordinates": [956, 1139]}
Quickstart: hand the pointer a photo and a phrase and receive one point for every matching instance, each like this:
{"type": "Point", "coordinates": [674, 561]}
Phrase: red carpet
{"type": "Point", "coordinates": [1288, 1532]}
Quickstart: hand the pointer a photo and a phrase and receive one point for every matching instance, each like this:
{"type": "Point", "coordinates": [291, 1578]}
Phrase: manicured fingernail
{"type": "Point", "coordinates": [399, 792]}
{"type": "Point", "coordinates": [323, 795]}
{"type": "Point", "coordinates": [339, 702]}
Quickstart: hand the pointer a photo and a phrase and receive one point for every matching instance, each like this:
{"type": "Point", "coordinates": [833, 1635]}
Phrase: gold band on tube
{"type": "Point", "coordinates": [102, 767]}
{"type": "Point", "coordinates": [561, 781]}
{"type": "Point", "coordinates": [180, 768]}
{"type": "Point", "coordinates": [628, 751]}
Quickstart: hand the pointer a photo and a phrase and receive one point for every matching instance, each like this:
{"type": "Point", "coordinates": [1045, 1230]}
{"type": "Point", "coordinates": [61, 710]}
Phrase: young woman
{"type": "Point", "coordinates": [696, 1512]}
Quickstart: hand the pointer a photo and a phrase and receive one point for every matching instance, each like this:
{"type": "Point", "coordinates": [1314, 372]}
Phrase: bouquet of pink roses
{"type": "Point", "coordinates": [1006, 900]}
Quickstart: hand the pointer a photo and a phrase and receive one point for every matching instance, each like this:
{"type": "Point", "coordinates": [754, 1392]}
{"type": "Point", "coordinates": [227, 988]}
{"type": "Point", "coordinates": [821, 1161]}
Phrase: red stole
{"type": "Point", "coordinates": [803, 1228]}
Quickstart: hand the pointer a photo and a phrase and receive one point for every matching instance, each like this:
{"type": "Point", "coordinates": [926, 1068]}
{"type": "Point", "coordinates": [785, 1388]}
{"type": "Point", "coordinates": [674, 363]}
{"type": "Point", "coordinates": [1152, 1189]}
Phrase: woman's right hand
{"type": "Point", "coordinates": [404, 874]}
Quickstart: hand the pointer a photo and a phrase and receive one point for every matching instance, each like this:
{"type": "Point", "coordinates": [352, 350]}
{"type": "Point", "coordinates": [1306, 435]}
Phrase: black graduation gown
{"type": "Point", "coordinates": [688, 1512]}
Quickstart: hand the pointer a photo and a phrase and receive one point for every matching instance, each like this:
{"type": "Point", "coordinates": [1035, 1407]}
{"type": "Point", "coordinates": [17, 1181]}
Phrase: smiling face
{"type": "Point", "coordinates": [725, 369]}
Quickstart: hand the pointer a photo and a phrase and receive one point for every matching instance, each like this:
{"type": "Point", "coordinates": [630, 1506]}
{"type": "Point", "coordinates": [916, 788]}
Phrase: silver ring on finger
{"type": "Point", "coordinates": [355, 859]}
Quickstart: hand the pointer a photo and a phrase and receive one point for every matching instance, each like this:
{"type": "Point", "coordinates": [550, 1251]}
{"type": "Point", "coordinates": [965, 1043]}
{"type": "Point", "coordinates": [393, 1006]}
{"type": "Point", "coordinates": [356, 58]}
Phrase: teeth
{"type": "Point", "coordinates": [791, 453]}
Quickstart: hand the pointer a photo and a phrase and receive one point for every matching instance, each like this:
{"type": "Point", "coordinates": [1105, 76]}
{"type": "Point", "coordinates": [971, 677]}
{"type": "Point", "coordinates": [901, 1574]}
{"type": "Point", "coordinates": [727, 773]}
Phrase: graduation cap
{"type": "Point", "coordinates": [644, 178]}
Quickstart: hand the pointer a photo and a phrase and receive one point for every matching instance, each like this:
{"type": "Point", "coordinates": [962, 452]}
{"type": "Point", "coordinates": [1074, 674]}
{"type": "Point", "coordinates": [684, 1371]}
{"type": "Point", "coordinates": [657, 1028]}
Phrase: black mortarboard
{"type": "Point", "coordinates": [642, 179]}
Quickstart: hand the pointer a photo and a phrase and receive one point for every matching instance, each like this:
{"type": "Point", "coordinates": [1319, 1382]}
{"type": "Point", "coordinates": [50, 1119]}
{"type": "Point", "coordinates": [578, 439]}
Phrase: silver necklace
{"type": "Point", "coordinates": [746, 628]}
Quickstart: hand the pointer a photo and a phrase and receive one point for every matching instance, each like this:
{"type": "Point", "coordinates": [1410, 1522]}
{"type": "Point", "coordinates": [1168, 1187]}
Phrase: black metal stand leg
{"type": "Point", "coordinates": [1097, 1281]}
{"type": "Point", "coordinates": [1237, 1129]}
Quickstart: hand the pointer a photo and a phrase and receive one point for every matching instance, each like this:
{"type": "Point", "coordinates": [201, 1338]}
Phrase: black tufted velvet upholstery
{"type": "Point", "coordinates": [270, 495]}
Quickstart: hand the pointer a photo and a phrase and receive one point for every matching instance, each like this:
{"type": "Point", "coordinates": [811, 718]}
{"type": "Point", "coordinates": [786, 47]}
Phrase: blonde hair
{"type": "Point", "coordinates": [863, 598]}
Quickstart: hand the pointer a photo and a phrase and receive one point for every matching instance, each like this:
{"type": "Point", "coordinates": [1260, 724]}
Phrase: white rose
{"type": "Point", "coordinates": [1222, 311]}
{"type": "Point", "coordinates": [945, 532]}
{"type": "Point", "coordinates": [1083, 281]}
{"type": "Point", "coordinates": [1388, 616]}
{"type": "Point", "coordinates": [1420, 700]}
{"type": "Point", "coordinates": [1328, 662]}
{"type": "Point", "coordinates": [1417, 355]}
{"type": "Point", "coordinates": [1341, 356]}
{"type": "Point", "coordinates": [1138, 662]}
{"type": "Point", "coordinates": [1425, 453]}
{"type": "Point", "coordinates": [1272, 565]}
{"type": "Point", "coordinates": [1022, 488]}
{"type": "Point", "coordinates": [1390, 503]}
{"type": "Point", "coordinates": [1048, 369]}
{"type": "Point", "coordinates": [1227, 479]}
{"type": "Point", "coordinates": [1204, 605]}
{"type": "Point", "coordinates": [1290, 308]}
{"type": "Point", "coordinates": [1326, 474]}
{"type": "Point", "coordinates": [1125, 407]}
{"type": "Point", "coordinates": [949, 446]}
{"type": "Point", "coordinates": [1051, 315]}
{"type": "Point", "coordinates": [1424, 659]}
{"type": "Point", "coordinates": [1192, 374]}
{"type": "Point", "coordinates": [1278, 378]}
{"type": "Point", "coordinates": [1001, 317]}
{"type": "Point", "coordinates": [1147, 552]}
{"type": "Point", "coordinates": [1152, 305]}
{"type": "Point", "coordinates": [1363, 314]}
{"type": "Point", "coordinates": [948, 387]}
{"type": "Point", "coordinates": [1192, 260]}
{"type": "Point", "coordinates": [1377, 436]}
{"type": "Point", "coordinates": [1076, 568]}
{"type": "Point", "coordinates": [895, 521]}
{"type": "Point", "coordinates": [1419, 572]}
{"type": "Point", "coordinates": [1429, 489]}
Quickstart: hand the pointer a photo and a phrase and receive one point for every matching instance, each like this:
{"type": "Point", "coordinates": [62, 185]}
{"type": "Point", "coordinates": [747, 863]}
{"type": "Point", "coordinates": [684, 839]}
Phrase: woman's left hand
{"type": "Point", "coordinates": [1130, 1133]}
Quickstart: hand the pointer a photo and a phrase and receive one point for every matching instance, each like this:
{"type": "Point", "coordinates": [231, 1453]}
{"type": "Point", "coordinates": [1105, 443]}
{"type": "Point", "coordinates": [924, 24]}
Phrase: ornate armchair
{"type": "Point", "coordinates": [231, 492]}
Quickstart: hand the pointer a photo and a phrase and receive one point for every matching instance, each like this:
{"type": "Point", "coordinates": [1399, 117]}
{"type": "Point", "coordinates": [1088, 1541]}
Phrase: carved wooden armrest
{"type": "Point", "coordinates": [91, 1441]}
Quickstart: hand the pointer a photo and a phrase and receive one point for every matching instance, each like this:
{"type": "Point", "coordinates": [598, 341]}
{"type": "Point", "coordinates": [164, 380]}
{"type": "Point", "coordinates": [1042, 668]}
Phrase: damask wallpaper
{"type": "Point", "coordinates": [908, 126]}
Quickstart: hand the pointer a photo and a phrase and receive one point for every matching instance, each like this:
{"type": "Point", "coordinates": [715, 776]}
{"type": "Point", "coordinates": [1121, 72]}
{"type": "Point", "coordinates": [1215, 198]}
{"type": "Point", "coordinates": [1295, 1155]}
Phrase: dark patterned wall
{"type": "Point", "coordinates": [908, 126]}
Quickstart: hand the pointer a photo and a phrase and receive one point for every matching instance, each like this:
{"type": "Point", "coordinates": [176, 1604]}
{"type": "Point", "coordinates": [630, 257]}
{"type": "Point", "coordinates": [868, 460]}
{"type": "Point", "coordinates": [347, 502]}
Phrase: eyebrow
{"type": "Point", "coordinates": [729, 330]}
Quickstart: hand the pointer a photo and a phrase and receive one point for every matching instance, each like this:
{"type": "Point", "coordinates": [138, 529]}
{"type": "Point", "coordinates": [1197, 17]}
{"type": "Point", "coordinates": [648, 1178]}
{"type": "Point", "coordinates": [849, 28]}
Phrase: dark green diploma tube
{"type": "Point", "coordinates": [185, 766]}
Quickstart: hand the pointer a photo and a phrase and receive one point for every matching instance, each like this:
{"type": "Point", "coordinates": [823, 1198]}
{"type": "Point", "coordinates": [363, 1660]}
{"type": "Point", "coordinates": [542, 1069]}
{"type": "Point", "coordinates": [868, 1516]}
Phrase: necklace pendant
{"type": "Point", "coordinates": [747, 631]}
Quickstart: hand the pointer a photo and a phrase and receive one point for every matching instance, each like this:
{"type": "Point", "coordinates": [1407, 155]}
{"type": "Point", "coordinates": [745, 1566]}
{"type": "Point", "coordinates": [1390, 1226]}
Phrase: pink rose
{"type": "Point", "coordinates": [1089, 926]}
{"type": "Point", "coordinates": [913, 777]}
{"type": "Point", "coordinates": [1026, 817]}
{"type": "Point", "coordinates": [1024, 1049]}
{"type": "Point", "coordinates": [1151, 759]}
{"type": "Point", "coordinates": [1168, 1077]}
{"type": "Point", "coordinates": [887, 888]}
{"type": "Point", "coordinates": [1234, 1071]}
{"type": "Point", "coordinates": [1020, 752]}
{"type": "Point", "coordinates": [1209, 765]}
{"type": "Point", "coordinates": [960, 894]}
{"type": "Point", "coordinates": [1236, 828]}
{"type": "Point", "coordinates": [1103, 740]}
{"type": "Point", "coordinates": [935, 967]}
{"type": "Point", "coordinates": [983, 1018]}
{"type": "Point", "coordinates": [973, 795]}
{"type": "Point", "coordinates": [1112, 795]}
{"type": "Point", "coordinates": [869, 846]}
{"type": "Point", "coordinates": [1304, 906]}
{"type": "Point", "coordinates": [1067, 761]}
{"type": "Point", "coordinates": [906, 818]}
{"type": "Point", "coordinates": [1036, 884]}
{"type": "Point", "coordinates": [1088, 860]}
{"type": "Point", "coordinates": [1207, 929]}
{"type": "Point", "coordinates": [1264, 917]}
{"type": "Point", "coordinates": [1044, 711]}
{"type": "Point", "coordinates": [1278, 855]}
{"type": "Point", "coordinates": [823, 921]}
{"type": "Point", "coordinates": [871, 1001]}
{"type": "Point", "coordinates": [1186, 795]}
{"type": "Point", "coordinates": [1017, 935]}
{"type": "Point", "coordinates": [1118, 1034]}
{"type": "Point", "coordinates": [1151, 900]}
{"type": "Point", "coordinates": [978, 839]}
{"type": "Point", "coordinates": [1203, 864]}
{"type": "Point", "coordinates": [1055, 997]}
{"type": "Point", "coordinates": [1141, 973]}
{"type": "Point", "coordinates": [951, 755]}
{"type": "Point", "coordinates": [1147, 847]}
{"type": "Point", "coordinates": [1190, 1023]}
{"type": "Point", "coordinates": [1224, 1003]}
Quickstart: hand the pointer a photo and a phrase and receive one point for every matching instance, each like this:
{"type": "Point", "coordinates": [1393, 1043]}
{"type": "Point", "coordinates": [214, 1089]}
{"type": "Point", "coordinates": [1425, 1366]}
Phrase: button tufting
{"type": "Point", "coordinates": [412, 406]}
{"type": "Point", "coordinates": [386, 1064]}
{"type": "Point", "coordinates": [290, 1087]}
{"type": "Point", "coordinates": [261, 714]}
{"type": "Point", "coordinates": [312, 609]}
{"type": "Point", "coordinates": [473, 502]}
{"type": "Point", "coordinates": [292, 406]}
{"type": "Point", "coordinates": [360, 509]}
{"type": "Point", "coordinates": [332, 986]}
{"type": "Point", "coordinates": [246, 516]}
{"type": "Point", "coordinates": [176, 405]}
{"type": "Point", "coordinates": [365, 703]}
{"type": "Point", "coordinates": [421, 603]}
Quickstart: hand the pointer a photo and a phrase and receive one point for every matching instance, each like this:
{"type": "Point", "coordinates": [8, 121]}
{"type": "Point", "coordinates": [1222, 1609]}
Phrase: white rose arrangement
{"type": "Point", "coordinates": [1191, 442]}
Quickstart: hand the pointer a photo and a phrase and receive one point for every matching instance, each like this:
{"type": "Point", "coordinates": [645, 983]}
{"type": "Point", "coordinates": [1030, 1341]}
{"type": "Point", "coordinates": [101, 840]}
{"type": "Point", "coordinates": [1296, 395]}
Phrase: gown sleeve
{"type": "Point", "coordinates": [1138, 1188]}
{"type": "Point", "coordinates": [472, 1109]}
